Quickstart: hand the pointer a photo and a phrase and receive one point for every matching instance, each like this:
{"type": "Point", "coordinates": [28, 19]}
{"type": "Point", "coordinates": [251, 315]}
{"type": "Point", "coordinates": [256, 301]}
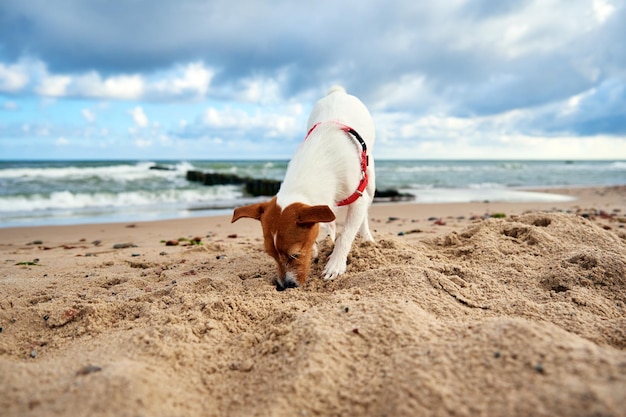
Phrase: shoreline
{"type": "Point", "coordinates": [606, 198]}
{"type": "Point", "coordinates": [562, 196]}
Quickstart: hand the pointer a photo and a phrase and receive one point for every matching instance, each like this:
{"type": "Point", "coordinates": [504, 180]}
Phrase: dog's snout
{"type": "Point", "coordinates": [287, 282]}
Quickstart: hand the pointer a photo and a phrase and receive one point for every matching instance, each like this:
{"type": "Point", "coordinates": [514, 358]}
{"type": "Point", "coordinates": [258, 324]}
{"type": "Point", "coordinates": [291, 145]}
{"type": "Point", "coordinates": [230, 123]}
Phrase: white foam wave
{"type": "Point", "coordinates": [67, 200]}
{"type": "Point", "coordinates": [487, 186]}
{"type": "Point", "coordinates": [122, 172]}
{"type": "Point", "coordinates": [431, 168]}
{"type": "Point", "coordinates": [468, 195]}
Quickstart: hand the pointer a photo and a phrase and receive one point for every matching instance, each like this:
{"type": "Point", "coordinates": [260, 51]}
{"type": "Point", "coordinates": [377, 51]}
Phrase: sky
{"type": "Point", "coordinates": [236, 79]}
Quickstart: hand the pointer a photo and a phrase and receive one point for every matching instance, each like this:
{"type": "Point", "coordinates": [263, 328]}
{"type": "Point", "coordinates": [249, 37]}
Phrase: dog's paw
{"type": "Point", "coordinates": [334, 268]}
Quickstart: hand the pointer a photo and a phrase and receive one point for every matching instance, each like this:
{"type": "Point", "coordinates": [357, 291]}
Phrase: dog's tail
{"type": "Point", "coordinates": [336, 89]}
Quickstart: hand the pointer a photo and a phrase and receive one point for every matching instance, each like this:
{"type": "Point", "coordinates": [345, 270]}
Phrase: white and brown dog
{"type": "Point", "coordinates": [333, 167]}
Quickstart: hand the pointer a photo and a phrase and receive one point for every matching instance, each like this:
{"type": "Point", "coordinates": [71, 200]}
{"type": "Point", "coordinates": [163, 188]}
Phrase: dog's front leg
{"type": "Point", "coordinates": [336, 264]}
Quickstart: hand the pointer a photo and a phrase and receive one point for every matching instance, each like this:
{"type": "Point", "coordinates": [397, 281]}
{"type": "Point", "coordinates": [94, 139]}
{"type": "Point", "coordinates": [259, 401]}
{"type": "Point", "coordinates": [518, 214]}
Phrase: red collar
{"type": "Point", "coordinates": [364, 162]}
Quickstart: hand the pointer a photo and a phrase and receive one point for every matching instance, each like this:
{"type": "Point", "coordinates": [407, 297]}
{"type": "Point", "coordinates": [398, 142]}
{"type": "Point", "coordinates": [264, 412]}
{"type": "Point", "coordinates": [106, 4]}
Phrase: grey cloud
{"type": "Point", "coordinates": [467, 69]}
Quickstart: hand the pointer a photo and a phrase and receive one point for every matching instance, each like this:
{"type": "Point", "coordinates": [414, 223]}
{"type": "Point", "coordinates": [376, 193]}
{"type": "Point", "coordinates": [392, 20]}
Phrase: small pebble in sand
{"type": "Point", "coordinates": [410, 232]}
{"type": "Point", "coordinates": [33, 353]}
{"type": "Point", "coordinates": [124, 245]}
{"type": "Point", "coordinates": [233, 236]}
{"type": "Point", "coordinates": [89, 369]}
{"type": "Point", "coordinates": [245, 366]}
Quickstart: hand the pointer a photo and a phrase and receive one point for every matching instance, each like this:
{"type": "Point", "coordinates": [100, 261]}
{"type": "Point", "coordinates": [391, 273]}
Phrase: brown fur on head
{"type": "Point", "coordinates": [289, 235]}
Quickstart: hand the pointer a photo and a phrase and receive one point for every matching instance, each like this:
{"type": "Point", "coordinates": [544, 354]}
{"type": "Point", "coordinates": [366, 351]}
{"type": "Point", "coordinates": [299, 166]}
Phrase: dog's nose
{"type": "Point", "coordinates": [287, 283]}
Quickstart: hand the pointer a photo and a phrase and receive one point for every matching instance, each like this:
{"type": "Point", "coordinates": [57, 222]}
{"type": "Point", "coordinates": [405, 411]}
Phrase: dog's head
{"type": "Point", "coordinates": [289, 235]}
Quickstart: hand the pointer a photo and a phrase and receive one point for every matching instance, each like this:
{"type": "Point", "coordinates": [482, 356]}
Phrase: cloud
{"type": "Point", "coordinates": [61, 142]}
{"type": "Point", "coordinates": [188, 81]}
{"type": "Point", "coordinates": [12, 77]}
{"type": "Point", "coordinates": [142, 143]}
{"type": "Point", "coordinates": [139, 117]}
{"type": "Point", "coordinates": [191, 80]}
{"type": "Point", "coordinates": [121, 87]}
{"type": "Point", "coordinates": [285, 122]}
{"type": "Point", "coordinates": [602, 10]}
{"type": "Point", "coordinates": [55, 86]}
{"type": "Point", "coordinates": [89, 115]}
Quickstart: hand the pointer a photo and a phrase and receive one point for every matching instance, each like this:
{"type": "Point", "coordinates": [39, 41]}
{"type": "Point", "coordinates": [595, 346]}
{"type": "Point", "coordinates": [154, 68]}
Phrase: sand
{"type": "Point", "coordinates": [462, 314]}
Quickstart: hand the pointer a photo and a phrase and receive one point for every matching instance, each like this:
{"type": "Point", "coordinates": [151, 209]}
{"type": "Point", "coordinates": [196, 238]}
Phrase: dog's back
{"type": "Point", "coordinates": [325, 168]}
{"type": "Point", "coordinates": [339, 106]}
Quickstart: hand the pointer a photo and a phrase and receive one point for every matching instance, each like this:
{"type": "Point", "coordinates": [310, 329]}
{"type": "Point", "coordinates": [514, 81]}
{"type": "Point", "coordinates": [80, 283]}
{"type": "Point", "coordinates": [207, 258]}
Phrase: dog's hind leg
{"type": "Point", "coordinates": [357, 216]}
{"type": "Point", "coordinates": [364, 230]}
{"type": "Point", "coordinates": [330, 230]}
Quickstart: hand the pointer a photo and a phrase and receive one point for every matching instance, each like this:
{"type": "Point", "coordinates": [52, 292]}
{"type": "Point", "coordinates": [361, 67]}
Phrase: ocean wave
{"type": "Point", "coordinates": [487, 186]}
{"type": "Point", "coordinates": [109, 172]}
{"type": "Point", "coordinates": [471, 195]}
{"type": "Point", "coordinates": [433, 168]}
{"type": "Point", "coordinates": [67, 200]}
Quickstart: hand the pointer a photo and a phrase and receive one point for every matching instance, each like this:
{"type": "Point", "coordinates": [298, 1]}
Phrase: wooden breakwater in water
{"type": "Point", "coordinates": [252, 186]}
{"type": "Point", "coordinates": [265, 187]}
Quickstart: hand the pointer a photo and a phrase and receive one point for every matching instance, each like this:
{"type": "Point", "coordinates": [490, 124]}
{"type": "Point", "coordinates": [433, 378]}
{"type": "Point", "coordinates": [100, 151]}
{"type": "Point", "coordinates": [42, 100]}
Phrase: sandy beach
{"type": "Point", "coordinates": [473, 309]}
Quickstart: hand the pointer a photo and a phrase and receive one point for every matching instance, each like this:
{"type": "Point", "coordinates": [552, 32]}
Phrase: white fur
{"type": "Point", "coordinates": [326, 169]}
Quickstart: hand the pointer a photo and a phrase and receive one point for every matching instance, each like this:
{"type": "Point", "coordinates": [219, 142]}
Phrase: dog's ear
{"type": "Point", "coordinates": [253, 211]}
{"type": "Point", "coordinates": [315, 214]}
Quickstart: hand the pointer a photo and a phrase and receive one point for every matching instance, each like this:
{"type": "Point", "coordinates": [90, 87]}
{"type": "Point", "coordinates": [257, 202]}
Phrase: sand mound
{"type": "Point", "coordinates": [525, 316]}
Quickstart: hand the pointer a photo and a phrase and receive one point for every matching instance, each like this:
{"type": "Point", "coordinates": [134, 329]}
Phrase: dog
{"type": "Point", "coordinates": [332, 167]}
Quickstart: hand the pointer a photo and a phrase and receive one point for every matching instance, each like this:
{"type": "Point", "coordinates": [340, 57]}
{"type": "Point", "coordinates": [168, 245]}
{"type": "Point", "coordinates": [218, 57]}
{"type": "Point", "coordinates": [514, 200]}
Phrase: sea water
{"type": "Point", "coordinates": [72, 192]}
